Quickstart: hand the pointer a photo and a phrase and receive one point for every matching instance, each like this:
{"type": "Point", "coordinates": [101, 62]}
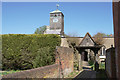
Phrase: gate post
{"type": "Point", "coordinates": [96, 62]}
{"type": "Point", "coordinates": [79, 62]}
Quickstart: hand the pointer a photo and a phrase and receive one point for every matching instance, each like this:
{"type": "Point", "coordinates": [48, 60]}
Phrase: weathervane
{"type": "Point", "coordinates": [57, 6]}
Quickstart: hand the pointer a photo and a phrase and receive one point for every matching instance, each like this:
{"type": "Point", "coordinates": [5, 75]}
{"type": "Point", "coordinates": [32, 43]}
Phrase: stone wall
{"type": "Point", "coordinates": [62, 67]}
{"type": "Point", "coordinates": [51, 71]}
{"type": "Point", "coordinates": [65, 39]}
{"type": "Point", "coordinates": [64, 42]}
{"type": "Point", "coordinates": [116, 22]}
{"type": "Point", "coordinates": [107, 41]}
{"type": "Point", "coordinates": [110, 63]}
{"type": "Point", "coordinates": [65, 58]}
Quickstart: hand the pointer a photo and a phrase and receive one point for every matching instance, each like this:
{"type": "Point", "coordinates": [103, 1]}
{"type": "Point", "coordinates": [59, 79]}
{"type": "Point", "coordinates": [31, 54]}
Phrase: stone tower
{"type": "Point", "coordinates": [56, 23]}
{"type": "Point", "coordinates": [57, 20]}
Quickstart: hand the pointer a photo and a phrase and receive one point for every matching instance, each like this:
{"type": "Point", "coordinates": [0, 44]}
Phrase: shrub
{"type": "Point", "coordinates": [91, 62]}
{"type": "Point", "coordinates": [45, 56]}
{"type": "Point", "coordinates": [21, 52]}
{"type": "Point", "coordinates": [76, 65]}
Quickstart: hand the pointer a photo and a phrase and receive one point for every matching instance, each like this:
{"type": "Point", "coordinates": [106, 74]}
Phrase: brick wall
{"type": "Point", "coordinates": [116, 22]}
{"type": "Point", "coordinates": [65, 58]}
{"type": "Point", "coordinates": [110, 63]}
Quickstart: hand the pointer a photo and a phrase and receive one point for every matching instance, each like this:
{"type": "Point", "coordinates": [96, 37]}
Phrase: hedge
{"type": "Point", "coordinates": [21, 51]}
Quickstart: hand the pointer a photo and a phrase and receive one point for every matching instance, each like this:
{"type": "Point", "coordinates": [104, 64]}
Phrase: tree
{"type": "Point", "coordinates": [40, 30]}
{"type": "Point", "coordinates": [111, 35]}
{"type": "Point", "coordinates": [72, 34]}
{"type": "Point", "coordinates": [98, 38]}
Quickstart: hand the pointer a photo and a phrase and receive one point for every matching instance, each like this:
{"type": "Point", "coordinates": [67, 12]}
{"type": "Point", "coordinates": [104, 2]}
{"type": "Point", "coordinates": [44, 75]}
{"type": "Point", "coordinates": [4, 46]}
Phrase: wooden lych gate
{"type": "Point", "coordinates": [89, 43]}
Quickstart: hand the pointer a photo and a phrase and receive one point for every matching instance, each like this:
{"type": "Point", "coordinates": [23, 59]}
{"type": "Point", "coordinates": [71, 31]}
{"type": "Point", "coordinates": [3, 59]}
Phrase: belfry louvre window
{"type": "Point", "coordinates": [51, 15]}
{"type": "Point", "coordinates": [55, 15]}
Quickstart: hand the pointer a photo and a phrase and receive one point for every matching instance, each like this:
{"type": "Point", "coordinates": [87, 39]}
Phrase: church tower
{"type": "Point", "coordinates": [56, 22]}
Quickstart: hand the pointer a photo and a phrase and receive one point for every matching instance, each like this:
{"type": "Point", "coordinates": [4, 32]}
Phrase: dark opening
{"type": "Point", "coordinates": [85, 56]}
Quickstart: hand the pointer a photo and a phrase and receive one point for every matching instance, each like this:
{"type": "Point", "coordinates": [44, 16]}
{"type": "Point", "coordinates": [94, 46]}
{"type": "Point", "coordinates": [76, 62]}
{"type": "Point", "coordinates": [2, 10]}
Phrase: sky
{"type": "Point", "coordinates": [79, 17]}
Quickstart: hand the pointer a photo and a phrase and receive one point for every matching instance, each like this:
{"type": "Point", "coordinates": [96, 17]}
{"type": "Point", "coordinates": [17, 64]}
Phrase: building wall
{"type": "Point", "coordinates": [87, 41]}
{"type": "Point", "coordinates": [64, 42]}
{"type": "Point", "coordinates": [107, 41]}
{"type": "Point", "coordinates": [110, 63]}
{"type": "Point", "coordinates": [116, 19]}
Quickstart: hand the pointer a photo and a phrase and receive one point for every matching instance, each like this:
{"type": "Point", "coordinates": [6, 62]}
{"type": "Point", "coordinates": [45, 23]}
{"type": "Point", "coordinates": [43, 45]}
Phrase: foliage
{"type": "Point", "coordinates": [98, 38]}
{"type": "Point", "coordinates": [76, 65]}
{"type": "Point", "coordinates": [91, 62]}
{"type": "Point", "coordinates": [72, 75]}
{"type": "Point", "coordinates": [40, 30]}
{"type": "Point", "coordinates": [8, 72]}
{"type": "Point", "coordinates": [45, 56]}
{"type": "Point", "coordinates": [102, 66]}
{"type": "Point", "coordinates": [21, 52]}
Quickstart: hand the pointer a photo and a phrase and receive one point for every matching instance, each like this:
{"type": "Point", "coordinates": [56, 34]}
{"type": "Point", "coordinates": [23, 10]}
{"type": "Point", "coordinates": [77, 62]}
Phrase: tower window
{"type": "Point", "coordinates": [55, 15]}
{"type": "Point", "coordinates": [51, 15]}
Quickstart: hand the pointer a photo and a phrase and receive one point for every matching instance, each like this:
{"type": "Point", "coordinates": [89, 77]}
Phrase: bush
{"type": "Point", "coordinates": [91, 62]}
{"type": "Point", "coordinates": [21, 52]}
{"type": "Point", "coordinates": [76, 65]}
{"type": "Point", "coordinates": [45, 56]}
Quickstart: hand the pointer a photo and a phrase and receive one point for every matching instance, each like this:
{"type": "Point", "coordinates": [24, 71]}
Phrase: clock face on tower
{"type": "Point", "coordinates": [55, 20]}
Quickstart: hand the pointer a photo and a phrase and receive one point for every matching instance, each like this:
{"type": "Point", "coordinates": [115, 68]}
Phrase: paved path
{"type": "Point", "coordinates": [87, 73]}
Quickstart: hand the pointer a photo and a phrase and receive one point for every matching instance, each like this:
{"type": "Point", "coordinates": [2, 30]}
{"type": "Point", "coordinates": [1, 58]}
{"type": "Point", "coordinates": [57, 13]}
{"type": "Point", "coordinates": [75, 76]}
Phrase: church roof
{"type": "Point", "coordinates": [53, 31]}
{"type": "Point", "coordinates": [56, 11]}
{"type": "Point", "coordinates": [87, 41]}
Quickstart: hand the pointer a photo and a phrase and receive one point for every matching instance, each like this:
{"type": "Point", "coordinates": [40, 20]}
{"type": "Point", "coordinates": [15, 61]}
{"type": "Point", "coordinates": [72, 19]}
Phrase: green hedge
{"type": "Point", "coordinates": [21, 52]}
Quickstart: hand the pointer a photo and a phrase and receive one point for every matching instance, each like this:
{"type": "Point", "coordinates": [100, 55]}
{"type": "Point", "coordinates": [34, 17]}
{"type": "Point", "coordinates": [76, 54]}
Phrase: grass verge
{"type": "Point", "coordinates": [8, 72]}
{"type": "Point", "coordinates": [73, 74]}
